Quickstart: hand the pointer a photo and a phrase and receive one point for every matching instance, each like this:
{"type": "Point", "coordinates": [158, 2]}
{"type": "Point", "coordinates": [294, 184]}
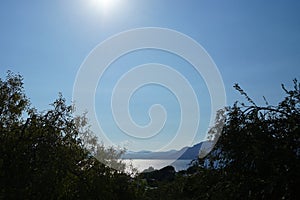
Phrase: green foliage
{"type": "Point", "coordinates": [45, 155]}
{"type": "Point", "coordinates": [257, 154]}
{"type": "Point", "coordinates": [166, 174]}
{"type": "Point", "coordinates": [109, 156]}
{"type": "Point", "coordinates": [13, 100]}
{"type": "Point", "coordinates": [54, 155]}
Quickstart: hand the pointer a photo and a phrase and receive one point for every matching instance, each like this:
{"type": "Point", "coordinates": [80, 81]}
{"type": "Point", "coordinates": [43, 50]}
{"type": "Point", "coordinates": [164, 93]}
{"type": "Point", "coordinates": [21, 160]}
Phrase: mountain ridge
{"type": "Point", "coordinates": [186, 153]}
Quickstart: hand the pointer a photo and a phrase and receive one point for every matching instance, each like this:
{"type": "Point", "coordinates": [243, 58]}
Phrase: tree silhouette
{"type": "Point", "coordinates": [43, 154]}
{"type": "Point", "coordinates": [257, 154]}
{"type": "Point", "coordinates": [53, 154]}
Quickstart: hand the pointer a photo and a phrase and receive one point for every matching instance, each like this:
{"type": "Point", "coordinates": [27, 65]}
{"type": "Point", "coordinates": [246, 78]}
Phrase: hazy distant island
{"type": "Point", "coordinates": [186, 153]}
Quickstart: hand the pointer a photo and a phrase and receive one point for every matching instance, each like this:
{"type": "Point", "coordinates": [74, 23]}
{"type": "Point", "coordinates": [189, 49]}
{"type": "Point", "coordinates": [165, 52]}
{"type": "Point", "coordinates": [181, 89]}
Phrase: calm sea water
{"type": "Point", "coordinates": [142, 164]}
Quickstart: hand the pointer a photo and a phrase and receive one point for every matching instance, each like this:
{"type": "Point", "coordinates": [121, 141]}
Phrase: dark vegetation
{"type": "Point", "coordinates": [43, 155]}
{"type": "Point", "coordinates": [52, 155]}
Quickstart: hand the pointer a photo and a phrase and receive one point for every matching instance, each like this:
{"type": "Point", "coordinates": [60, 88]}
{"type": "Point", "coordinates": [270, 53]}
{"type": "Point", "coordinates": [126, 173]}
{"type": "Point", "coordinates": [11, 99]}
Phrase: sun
{"type": "Point", "coordinates": [106, 6]}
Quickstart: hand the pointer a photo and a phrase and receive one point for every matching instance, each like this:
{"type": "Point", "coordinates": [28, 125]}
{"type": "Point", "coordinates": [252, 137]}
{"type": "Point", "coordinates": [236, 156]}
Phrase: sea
{"type": "Point", "coordinates": [142, 164]}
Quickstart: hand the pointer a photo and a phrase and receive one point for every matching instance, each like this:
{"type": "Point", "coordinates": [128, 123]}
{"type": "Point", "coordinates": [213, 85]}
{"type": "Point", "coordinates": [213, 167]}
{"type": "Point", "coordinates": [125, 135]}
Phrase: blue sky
{"type": "Point", "coordinates": [253, 43]}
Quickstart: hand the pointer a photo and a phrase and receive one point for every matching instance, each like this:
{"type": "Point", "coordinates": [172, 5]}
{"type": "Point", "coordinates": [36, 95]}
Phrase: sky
{"type": "Point", "coordinates": [253, 43]}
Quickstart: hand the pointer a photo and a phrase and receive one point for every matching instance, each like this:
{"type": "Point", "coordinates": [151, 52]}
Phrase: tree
{"type": "Point", "coordinates": [257, 154]}
{"type": "Point", "coordinates": [13, 100]}
{"type": "Point", "coordinates": [110, 156]}
{"type": "Point", "coordinates": [43, 154]}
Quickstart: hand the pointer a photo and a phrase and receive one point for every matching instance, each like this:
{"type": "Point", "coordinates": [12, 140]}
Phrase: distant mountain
{"type": "Point", "coordinates": [191, 152]}
{"type": "Point", "coordinates": [186, 153]}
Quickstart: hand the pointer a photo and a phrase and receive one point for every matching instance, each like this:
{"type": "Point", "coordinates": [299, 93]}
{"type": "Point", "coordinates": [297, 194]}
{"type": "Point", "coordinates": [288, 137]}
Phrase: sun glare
{"type": "Point", "coordinates": [106, 6]}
